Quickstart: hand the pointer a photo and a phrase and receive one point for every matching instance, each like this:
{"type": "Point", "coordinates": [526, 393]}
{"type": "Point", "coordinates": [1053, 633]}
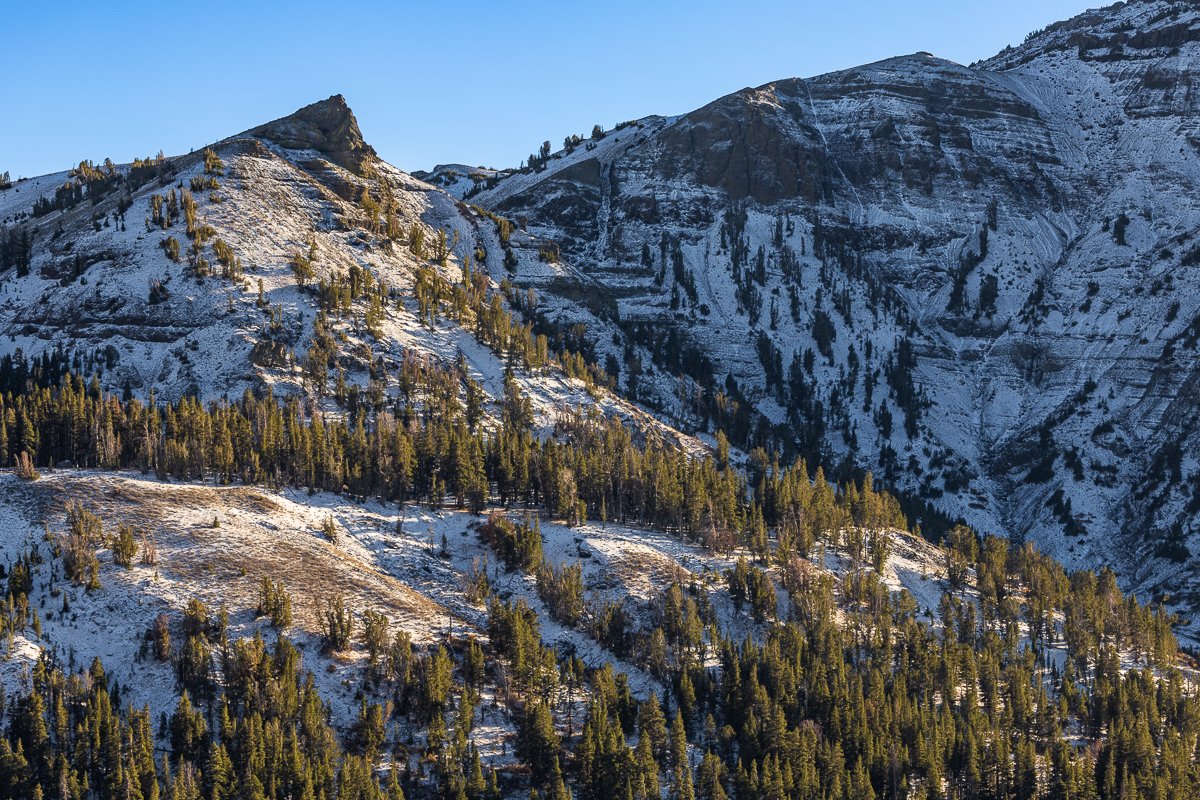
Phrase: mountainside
{"type": "Point", "coordinates": [218, 544]}
{"type": "Point", "coordinates": [976, 282]}
{"type": "Point", "coordinates": [326, 481]}
{"type": "Point", "coordinates": [288, 258]}
{"type": "Point", "coordinates": [980, 282]}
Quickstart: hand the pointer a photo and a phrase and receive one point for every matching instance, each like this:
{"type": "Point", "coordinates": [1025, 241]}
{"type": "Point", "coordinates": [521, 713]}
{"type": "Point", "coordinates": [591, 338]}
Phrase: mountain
{"type": "Point", "coordinates": [117, 282]}
{"type": "Point", "coordinates": [322, 482]}
{"type": "Point", "coordinates": [977, 281]}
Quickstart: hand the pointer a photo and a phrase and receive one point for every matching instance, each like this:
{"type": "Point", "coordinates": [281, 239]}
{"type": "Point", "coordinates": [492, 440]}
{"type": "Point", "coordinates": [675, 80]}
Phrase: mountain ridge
{"type": "Point", "coordinates": [951, 208]}
{"type": "Point", "coordinates": [1016, 232]}
{"type": "Point", "coordinates": [327, 126]}
{"type": "Point", "coordinates": [359, 489]}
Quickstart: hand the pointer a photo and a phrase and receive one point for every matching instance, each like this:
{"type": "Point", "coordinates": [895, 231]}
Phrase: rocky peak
{"type": "Point", "coordinates": [327, 126]}
{"type": "Point", "coordinates": [1140, 30]}
{"type": "Point", "coordinates": [755, 143]}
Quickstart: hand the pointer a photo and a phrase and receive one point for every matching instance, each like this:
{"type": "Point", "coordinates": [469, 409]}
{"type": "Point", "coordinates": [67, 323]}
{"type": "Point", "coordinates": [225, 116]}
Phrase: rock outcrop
{"type": "Point", "coordinates": [327, 126]}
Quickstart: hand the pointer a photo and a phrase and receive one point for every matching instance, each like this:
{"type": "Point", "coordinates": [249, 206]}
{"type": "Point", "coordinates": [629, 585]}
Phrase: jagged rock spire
{"type": "Point", "coordinates": [327, 126]}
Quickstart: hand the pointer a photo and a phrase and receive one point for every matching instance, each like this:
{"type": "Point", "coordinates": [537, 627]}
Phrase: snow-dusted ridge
{"type": "Point", "coordinates": [1019, 234]}
{"type": "Point", "coordinates": [1050, 373]}
{"type": "Point", "coordinates": [287, 187]}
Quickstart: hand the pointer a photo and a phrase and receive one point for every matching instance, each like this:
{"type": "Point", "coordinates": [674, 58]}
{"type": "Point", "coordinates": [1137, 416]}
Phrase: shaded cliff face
{"type": "Point", "coordinates": [756, 144]}
{"type": "Point", "coordinates": [980, 282]}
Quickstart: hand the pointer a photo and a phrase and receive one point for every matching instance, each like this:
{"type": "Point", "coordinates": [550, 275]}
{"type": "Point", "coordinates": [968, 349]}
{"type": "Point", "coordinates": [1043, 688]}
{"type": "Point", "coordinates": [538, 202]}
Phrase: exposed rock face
{"type": "Point", "coordinates": [980, 282]}
{"type": "Point", "coordinates": [757, 143]}
{"type": "Point", "coordinates": [327, 126]}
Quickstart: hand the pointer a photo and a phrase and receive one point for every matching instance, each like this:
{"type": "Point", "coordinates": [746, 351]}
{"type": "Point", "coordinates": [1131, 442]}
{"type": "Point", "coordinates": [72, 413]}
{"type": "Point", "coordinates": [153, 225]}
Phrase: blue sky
{"type": "Point", "coordinates": [482, 83]}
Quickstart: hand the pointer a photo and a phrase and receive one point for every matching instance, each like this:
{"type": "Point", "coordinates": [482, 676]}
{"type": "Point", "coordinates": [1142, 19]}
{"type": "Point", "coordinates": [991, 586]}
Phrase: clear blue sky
{"type": "Point", "coordinates": [482, 83]}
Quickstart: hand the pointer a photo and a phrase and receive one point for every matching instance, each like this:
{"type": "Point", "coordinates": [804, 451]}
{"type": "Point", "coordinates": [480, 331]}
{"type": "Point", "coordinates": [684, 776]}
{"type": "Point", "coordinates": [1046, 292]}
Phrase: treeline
{"type": "Point", "coordinates": [94, 182]}
{"type": "Point", "coordinates": [429, 443]}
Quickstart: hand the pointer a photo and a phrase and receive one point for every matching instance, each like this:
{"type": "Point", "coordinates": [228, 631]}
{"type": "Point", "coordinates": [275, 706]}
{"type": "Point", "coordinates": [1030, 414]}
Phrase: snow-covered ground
{"type": "Point", "coordinates": [217, 543]}
{"type": "Point", "coordinates": [895, 171]}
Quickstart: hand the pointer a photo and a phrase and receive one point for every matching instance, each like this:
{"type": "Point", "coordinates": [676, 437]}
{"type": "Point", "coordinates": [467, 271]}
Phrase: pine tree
{"type": "Point", "coordinates": [338, 620]}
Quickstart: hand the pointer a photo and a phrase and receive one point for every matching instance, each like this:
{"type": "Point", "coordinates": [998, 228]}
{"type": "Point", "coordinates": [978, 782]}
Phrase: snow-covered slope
{"type": "Point", "coordinates": [217, 544]}
{"type": "Point", "coordinates": [103, 290]}
{"type": "Point", "coordinates": [980, 282]}
{"type": "Point", "coordinates": [459, 180]}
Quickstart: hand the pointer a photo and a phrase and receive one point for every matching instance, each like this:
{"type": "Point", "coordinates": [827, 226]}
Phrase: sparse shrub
{"type": "Point", "coordinates": [370, 207]}
{"type": "Point", "coordinates": [476, 586]}
{"type": "Point", "coordinates": [400, 657]}
{"type": "Point", "coordinates": [376, 638]}
{"type": "Point", "coordinates": [504, 228]}
{"type": "Point", "coordinates": [330, 529]}
{"type": "Point", "coordinates": [443, 247]}
{"type": "Point", "coordinates": [201, 183]}
{"type": "Point", "coordinates": [213, 165]}
{"type": "Point", "coordinates": [25, 468]}
{"type": "Point", "coordinates": [160, 636]}
{"type": "Point", "coordinates": [201, 235]}
{"type": "Point", "coordinates": [231, 265]}
{"type": "Point", "coordinates": [561, 589]}
{"type": "Point", "coordinates": [85, 532]}
{"type": "Point", "coordinates": [170, 246]}
{"type": "Point", "coordinates": [1119, 226]}
{"type": "Point", "coordinates": [195, 618]}
{"type": "Point", "coordinates": [158, 292]}
{"type": "Point", "coordinates": [149, 550]}
{"type": "Point", "coordinates": [189, 213]}
{"type": "Point", "coordinates": [416, 241]}
{"type": "Point", "coordinates": [302, 268]}
{"type": "Point", "coordinates": [124, 546]}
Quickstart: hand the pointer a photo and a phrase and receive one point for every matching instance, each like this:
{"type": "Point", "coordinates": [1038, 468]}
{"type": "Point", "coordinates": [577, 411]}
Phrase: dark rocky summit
{"type": "Point", "coordinates": [327, 126]}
